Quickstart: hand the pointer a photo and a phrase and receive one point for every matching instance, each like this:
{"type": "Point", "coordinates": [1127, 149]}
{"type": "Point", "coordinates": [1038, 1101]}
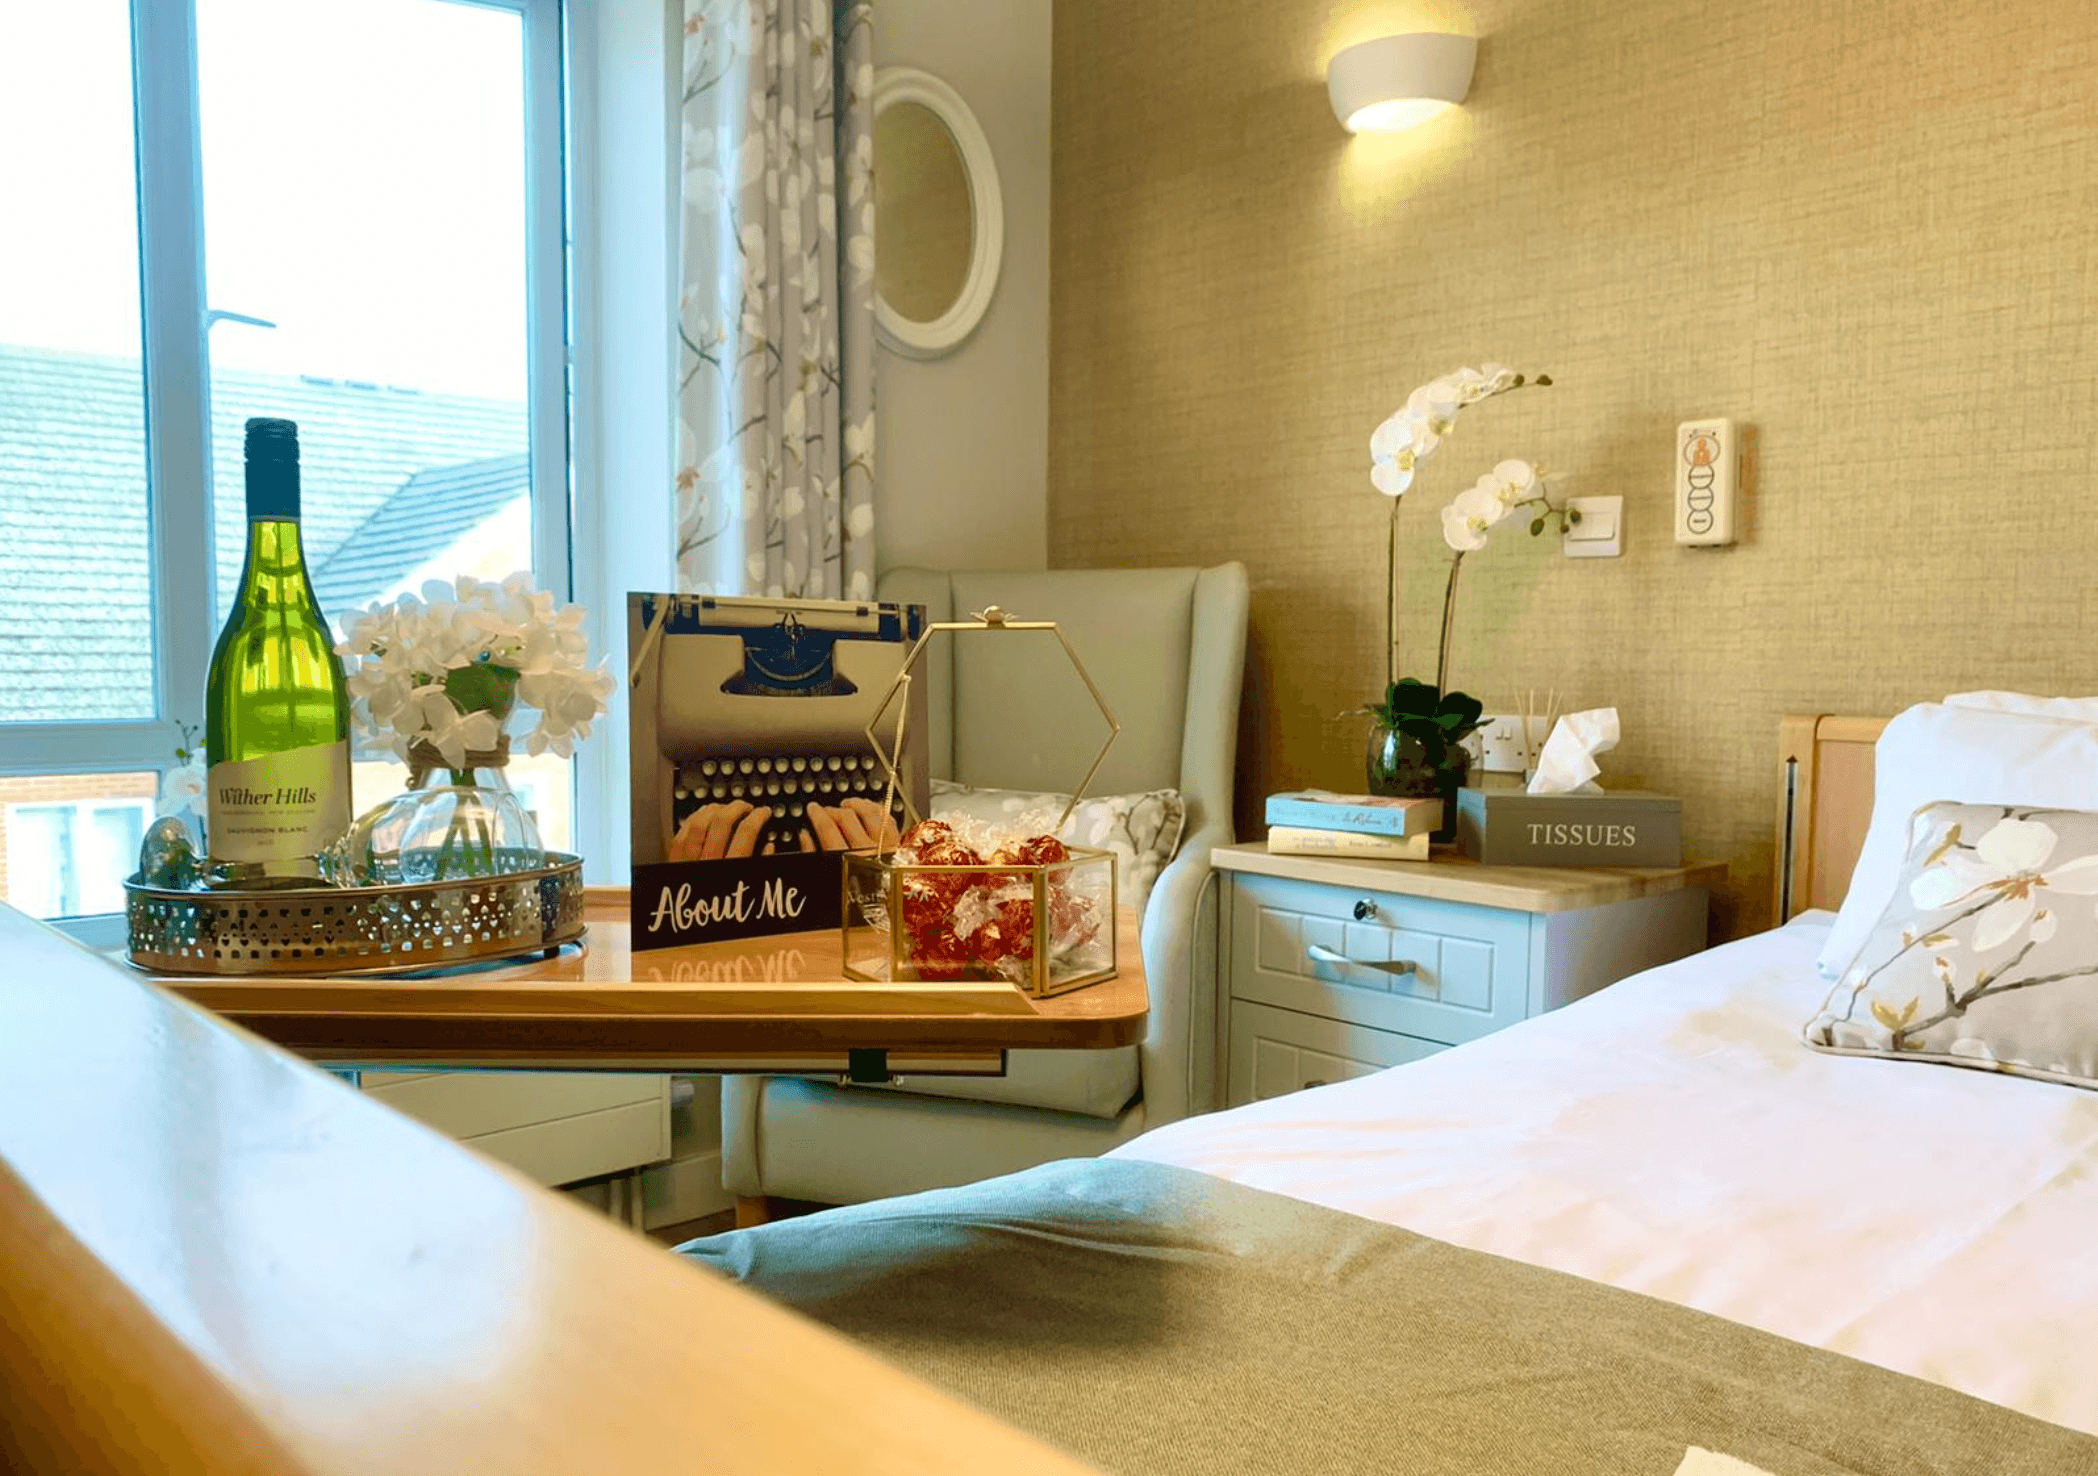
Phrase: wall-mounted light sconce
{"type": "Point", "coordinates": [1395, 82]}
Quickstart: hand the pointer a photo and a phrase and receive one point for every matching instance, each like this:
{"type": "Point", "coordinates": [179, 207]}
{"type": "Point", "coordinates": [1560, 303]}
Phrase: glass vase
{"type": "Point", "coordinates": [449, 824]}
{"type": "Point", "coordinates": [1402, 766]}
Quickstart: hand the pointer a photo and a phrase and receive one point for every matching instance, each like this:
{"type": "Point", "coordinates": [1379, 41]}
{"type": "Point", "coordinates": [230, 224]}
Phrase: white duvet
{"type": "Point", "coordinates": [1671, 1135]}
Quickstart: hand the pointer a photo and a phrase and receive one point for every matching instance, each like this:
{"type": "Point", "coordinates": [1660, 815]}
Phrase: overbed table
{"type": "Point", "coordinates": [215, 1261]}
{"type": "Point", "coordinates": [780, 1003]}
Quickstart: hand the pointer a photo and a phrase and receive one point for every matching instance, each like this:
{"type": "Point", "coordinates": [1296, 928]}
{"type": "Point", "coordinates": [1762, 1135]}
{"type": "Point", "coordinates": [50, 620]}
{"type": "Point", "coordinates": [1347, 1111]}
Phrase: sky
{"type": "Point", "coordinates": [363, 186]}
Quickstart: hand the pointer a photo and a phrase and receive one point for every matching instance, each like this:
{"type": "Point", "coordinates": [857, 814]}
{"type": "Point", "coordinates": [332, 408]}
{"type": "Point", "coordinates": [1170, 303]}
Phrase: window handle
{"type": "Point", "coordinates": [1319, 953]}
{"type": "Point", "coordinates": [215, 316]}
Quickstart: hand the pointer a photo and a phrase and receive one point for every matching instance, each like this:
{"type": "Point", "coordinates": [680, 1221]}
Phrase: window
{"type": "Point", "coordinates": [62, 860]}
{"type": "Point", "coordinates": [76, 615]}
{"type": "Point", "coordinates": [384, 247]}
{"type": "Point", "coordinates": [351, 216]}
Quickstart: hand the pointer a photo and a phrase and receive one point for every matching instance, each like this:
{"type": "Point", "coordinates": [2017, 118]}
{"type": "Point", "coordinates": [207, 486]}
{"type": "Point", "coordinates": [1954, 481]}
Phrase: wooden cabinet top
{"type": "Point", "coordinates": [1453, 878]}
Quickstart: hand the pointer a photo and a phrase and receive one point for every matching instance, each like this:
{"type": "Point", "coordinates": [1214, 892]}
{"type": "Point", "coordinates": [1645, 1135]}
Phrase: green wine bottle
{"type": "Point", "coordinates": [276, 708]}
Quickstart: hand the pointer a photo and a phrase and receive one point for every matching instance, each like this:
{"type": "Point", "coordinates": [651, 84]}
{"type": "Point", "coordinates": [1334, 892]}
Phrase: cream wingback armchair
{"type": "Point", "coordinates": [1167, 648]}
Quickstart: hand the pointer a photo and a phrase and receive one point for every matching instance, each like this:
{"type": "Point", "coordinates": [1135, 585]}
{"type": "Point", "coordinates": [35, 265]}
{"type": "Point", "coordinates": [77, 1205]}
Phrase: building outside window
{"type": "Point", "coordinates": [373, 248]}
{"type": "Point", "coordinates": [66, 857]}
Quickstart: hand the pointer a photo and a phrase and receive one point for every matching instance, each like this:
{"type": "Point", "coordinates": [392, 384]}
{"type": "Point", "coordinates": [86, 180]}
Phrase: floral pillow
{"type": "Point", "coordinates": [1143, 830]}
{"type": "Point", "coordinates": [1988, 954]}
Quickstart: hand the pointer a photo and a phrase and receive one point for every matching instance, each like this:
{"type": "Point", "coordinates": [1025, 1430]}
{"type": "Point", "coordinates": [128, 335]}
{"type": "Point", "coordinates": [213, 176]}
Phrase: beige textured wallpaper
{"type": "Point", "coordinates": [1867, 230]}
{"type": "Point", "coordinates": [964, 440]}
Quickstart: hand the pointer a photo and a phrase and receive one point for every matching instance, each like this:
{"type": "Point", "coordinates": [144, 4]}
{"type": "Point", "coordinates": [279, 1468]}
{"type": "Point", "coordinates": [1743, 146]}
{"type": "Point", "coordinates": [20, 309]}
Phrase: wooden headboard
{"type": "Point", "coordinates": [1824, 806]}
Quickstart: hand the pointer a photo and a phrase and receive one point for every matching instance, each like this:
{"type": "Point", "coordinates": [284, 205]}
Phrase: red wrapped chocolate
{"type": "Point", "coordinates": [938, 954]}
{"type": "Point", "coordinates": [937, 909]}
{"type": "Point", "coordinates": [1035, 850]}
{"type": "Point", "coordinates": [1009, 932]}
{"type": "Point", "coordinates": [925, 833]}
{"type": "Point", "coordinates": [1074, 919]}
{"type": "Point", "coordinates": [939, 890]}
{"type": "Point", "coordinates": [948, 852]}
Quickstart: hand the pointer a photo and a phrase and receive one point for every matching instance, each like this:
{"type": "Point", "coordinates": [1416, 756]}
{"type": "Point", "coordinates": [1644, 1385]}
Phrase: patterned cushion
{"type": "Point", "coordinates": [1988, 954]}
{"type": "Point", "coordinates": [1143, 830]}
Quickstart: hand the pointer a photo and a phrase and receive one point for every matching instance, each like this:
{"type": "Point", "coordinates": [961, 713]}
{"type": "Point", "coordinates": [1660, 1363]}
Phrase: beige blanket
{"type": "Point", "coordinates": [1155, 1321]}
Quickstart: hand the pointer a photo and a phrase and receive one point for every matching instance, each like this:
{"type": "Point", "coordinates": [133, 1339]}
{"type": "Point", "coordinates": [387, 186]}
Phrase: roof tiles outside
{"type": "Point", "coordinates": [427, 515]}
{"type": "Point", "coordinates": [75, 574]}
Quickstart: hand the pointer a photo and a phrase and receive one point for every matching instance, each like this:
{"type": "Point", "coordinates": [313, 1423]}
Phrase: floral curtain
{"type": "Point", "coordinates": [775, 440]}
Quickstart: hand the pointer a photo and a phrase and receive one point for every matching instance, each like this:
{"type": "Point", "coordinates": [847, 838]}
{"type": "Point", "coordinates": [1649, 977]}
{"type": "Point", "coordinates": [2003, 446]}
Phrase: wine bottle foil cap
{"type": "Point", "coordinates": [273, 440]}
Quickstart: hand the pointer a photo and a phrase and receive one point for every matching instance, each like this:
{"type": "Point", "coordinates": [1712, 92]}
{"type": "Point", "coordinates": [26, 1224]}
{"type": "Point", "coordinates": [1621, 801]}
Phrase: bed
{"type": "Point", "coordinates": [1645, 1225]}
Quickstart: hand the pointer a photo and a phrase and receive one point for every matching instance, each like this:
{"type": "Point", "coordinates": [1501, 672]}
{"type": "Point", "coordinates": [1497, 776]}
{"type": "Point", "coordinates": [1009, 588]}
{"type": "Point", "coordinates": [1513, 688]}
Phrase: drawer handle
{"type": "Point", "coordinates": [1319, 953]}
{"type": "Point", "coordinates": [1365, 910]}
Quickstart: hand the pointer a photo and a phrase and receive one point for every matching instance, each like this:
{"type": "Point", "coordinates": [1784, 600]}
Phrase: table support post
{"type": "Point", "coordinates": [867, 1068]}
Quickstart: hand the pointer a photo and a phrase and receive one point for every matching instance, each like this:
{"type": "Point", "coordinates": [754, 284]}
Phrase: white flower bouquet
{"type": "Point", "coordinates": [435, 678]}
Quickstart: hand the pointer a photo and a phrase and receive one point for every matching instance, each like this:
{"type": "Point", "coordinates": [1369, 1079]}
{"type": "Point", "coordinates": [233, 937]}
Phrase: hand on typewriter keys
{"type": "Point", "coordinates": [735, 828]}
{"type": "Point", "coordinates": [714, 831]}
{"type": "Point", "coordinates": [851, 824]}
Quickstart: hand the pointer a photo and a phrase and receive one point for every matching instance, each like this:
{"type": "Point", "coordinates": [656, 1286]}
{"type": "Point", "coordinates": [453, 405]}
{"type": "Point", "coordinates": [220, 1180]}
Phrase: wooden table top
{"type": "Point", "coordinates": [779, 1003]}
{"type": "Point", "coordinates": [214, 1258]}
{"type": "Point", "coordinates": [1449, 877]}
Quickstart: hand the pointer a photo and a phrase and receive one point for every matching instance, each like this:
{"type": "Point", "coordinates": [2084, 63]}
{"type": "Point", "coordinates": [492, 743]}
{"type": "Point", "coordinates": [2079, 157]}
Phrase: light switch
{"type": "Point", "coordinates": [1600, 533]}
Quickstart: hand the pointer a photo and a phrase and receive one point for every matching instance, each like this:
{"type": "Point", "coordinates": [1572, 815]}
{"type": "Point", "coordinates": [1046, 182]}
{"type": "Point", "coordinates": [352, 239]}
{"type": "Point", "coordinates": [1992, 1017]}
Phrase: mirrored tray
{"type": "Point", "coordinates": [357, 930]}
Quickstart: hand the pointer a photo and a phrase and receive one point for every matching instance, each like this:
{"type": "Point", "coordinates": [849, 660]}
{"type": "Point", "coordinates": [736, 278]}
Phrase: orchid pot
{"type": "Point", "coordinates": [1416, 746]}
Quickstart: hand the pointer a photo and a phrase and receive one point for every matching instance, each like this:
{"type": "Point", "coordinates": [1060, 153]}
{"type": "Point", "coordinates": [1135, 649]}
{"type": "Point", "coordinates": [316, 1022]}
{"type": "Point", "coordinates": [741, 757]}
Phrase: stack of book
{"type": "Point", "coordinates": [1316, 822]}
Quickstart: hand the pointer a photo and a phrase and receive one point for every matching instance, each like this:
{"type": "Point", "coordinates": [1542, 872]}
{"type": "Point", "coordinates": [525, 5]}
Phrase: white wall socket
{"type": "Point", "coordinates": [1600, 533]}
{"type": "Point", "coordinates": [1501, 747]}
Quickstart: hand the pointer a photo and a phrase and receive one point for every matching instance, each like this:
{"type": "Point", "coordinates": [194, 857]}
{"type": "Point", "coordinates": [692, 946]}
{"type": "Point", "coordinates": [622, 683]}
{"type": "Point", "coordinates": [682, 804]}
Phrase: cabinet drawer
{"type": "Point", "coordinates": [1299, 946]}
{"type": "Point", "coordinates": [1274, 1052]}
{"type": "Point", "coordinates": [556, 1127]}
{"type": "Point", "coordinates": [472, 1104]}
{"type": "Point", "coordinates": [582, 1147]}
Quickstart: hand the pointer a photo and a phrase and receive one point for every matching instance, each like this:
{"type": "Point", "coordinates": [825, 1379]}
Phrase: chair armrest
{"type": "Point", "coordinates": [1179, 945]}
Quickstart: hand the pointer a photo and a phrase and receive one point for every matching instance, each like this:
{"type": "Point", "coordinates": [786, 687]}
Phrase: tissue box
{"type": "Point", "coordinates": [1626, 827]}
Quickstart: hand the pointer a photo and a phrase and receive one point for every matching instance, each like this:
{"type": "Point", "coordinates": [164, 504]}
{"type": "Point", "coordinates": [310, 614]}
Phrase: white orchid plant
{"type": "Point", "coordinates": [436, 677]}
{"type": "Point", "coordinates": [1435, 716]}
{"type": "Point", "coordinates": [182, 787]}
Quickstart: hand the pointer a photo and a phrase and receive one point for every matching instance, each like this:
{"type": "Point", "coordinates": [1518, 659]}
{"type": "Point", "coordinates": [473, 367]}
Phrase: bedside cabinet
{"type": "Point", "coordinates": [1331, 967]}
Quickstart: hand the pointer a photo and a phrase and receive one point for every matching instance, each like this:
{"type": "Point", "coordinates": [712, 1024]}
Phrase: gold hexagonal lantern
{"type": "Point", "coordinates": [940, 911]}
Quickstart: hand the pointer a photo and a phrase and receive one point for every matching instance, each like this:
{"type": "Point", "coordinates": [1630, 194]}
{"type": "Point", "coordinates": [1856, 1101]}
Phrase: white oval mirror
{"type": "Point", "coordinates": [938, 222]}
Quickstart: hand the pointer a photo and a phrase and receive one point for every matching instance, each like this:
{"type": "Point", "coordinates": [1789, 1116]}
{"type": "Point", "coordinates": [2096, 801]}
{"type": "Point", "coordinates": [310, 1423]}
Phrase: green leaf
{"type": "Point", "coordinates": [1542, 379]}
{"type": "Point", "coordinates": [1410, 697]}
{"type": "Point", "coordinates": [482, 687]}
{"type": "Point", "coordinates": [1536, 527]}
{"type": "Point", "coordinates": [1573, 515]}
{"type": "Point", "coordinates": [1431, 718]}
{"type": "Point", "coordinates": [1461, 705]}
